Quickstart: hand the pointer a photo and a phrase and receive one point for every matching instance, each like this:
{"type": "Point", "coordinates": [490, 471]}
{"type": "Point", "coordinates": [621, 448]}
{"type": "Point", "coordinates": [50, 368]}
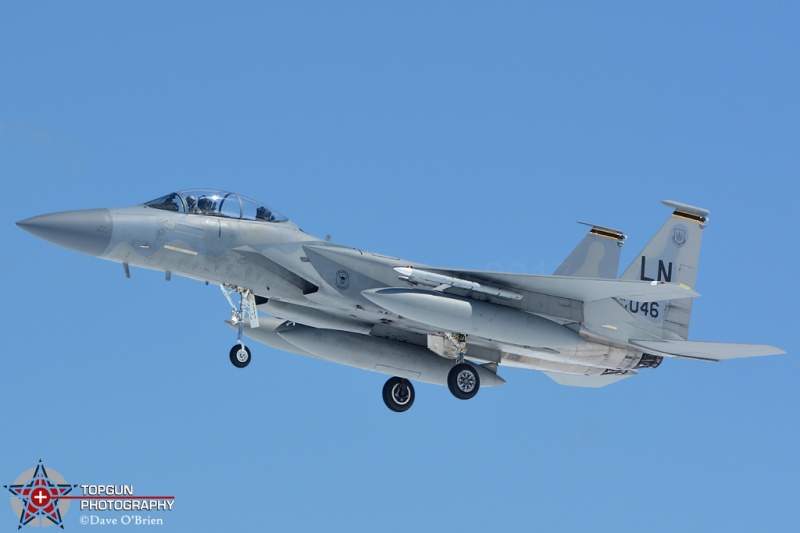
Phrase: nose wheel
{"type": "Point", "coordinates": [398, 394]}
{"type": "Point", "coordinates": [240, 355]}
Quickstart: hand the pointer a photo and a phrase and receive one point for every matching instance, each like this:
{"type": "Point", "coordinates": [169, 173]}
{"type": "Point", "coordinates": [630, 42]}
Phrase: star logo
{"type": "Point", "coordinates": [37, 494]}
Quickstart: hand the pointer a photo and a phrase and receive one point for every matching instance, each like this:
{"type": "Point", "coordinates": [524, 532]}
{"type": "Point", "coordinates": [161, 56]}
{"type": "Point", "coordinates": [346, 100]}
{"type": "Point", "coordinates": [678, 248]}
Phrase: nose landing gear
{"type": "Point", "coordinates": [240, 354]}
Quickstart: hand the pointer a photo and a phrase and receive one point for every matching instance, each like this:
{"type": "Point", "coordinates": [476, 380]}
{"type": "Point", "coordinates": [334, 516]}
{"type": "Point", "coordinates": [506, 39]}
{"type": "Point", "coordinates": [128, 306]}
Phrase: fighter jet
{"type": "Point", "coordinates": [414, 322]}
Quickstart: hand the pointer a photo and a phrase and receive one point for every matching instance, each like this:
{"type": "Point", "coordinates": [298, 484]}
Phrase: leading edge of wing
{"type": "Point", "coordinates": [707, 351]}
{"type": "Point", "coordinates": [581, 289]}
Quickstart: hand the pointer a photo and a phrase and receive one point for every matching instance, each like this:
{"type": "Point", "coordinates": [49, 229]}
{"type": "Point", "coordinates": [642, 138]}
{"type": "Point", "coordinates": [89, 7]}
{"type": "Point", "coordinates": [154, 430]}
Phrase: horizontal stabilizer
{"type": "Point", "coordinates": [589, 382]}
{"type": "Point", "coordinates": [707, 351]}
{"type": "Point", "coordinates": [581, 289]}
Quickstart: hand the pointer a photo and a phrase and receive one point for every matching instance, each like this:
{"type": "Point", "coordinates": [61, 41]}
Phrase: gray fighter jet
{"type": "Point", "coordinates": [414, 322]}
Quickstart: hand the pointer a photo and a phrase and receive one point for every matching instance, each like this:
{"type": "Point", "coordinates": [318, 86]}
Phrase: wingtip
{"type": "Point", "coordinates": [698, 214]}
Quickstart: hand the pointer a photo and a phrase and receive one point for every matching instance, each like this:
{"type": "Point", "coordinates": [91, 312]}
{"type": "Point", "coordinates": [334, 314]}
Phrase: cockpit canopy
{"type": "Point", "coordinates": [215, 203]}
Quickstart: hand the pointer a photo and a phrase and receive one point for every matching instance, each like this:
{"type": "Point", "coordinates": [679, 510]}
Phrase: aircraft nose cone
{"type": "Point", "coordinates": [87, 231]}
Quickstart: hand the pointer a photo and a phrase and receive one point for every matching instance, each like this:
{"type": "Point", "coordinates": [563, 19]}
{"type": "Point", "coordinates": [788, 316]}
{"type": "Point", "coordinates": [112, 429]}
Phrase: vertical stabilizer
{"type": "Point", "coordinates": [671, 255]}
{"type": "Point", "coordinates": [596, 256]}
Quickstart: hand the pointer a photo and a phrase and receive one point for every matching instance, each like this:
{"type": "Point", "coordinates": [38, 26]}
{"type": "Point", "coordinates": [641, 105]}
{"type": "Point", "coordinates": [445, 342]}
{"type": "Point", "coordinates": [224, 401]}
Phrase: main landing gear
{"type": "Point", "coordinates": [398, 394]}
{"type": "Point", "coordinates": [240, 354]}
{"type": "Point", "coordinates": [462, 380]}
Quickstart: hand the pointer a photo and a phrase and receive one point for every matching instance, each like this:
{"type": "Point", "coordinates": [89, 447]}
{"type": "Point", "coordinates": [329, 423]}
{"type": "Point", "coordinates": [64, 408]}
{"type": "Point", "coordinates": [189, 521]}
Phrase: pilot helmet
{"type": "Point", "coordinates": [191, 201]}
{"type": "Point", "coordinates": [204, 203]}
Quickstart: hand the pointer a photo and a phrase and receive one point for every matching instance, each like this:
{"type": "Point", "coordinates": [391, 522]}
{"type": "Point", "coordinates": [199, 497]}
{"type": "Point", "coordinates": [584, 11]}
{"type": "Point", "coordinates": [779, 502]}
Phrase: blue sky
{"type": "Point", "coordinates": [464, 134]}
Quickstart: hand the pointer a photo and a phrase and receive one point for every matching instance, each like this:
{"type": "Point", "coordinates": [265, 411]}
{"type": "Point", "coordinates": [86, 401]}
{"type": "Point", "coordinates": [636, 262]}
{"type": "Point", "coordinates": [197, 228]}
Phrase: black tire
{"type": "Point", "coordinates": [240, 355]}
{"type": "Point", "coordinates": [398, 394]}
{"type": "Point", "coordinates": [463, 381]}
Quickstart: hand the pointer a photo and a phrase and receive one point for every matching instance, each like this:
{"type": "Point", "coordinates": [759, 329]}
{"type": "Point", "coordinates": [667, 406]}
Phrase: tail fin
{"type": "Point", "coordinates": [596, 256]}
{"type": "Point", "coordinates": [671, 255]}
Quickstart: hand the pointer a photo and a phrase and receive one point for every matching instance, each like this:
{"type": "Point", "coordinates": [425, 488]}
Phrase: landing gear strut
{"type": "Point", "coordinates": [398, 394]}
{"type": "Point", "coordinates": [240, 354]}
{"type": "Point", "coordinates": [462, 380]}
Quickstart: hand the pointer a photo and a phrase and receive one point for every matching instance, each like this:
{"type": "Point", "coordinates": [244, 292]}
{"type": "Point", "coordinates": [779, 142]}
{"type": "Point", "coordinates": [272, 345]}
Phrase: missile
{"type": "Point", "coordinates": [472, 317]}
{"type": "Point", "coordinates": [376, 354]}
{"type": "Point", "coordinates": [432, 279]}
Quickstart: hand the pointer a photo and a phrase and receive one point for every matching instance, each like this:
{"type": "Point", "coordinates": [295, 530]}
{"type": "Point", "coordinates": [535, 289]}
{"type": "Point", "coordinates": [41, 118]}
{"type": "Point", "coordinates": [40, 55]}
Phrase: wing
{"type": "Point", "coordinates": [706, 351]}
{"type": "Point", "coordinates": [387, 270]}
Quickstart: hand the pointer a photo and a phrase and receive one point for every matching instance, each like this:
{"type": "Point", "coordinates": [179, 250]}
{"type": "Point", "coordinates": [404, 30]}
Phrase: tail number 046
{"type": "Point", "coordinates": [648, 309]}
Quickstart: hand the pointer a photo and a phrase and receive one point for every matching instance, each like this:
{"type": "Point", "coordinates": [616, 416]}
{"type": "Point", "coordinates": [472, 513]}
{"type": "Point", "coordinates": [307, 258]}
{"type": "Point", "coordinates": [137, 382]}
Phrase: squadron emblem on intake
{"type": "Point", "coordinates": [342, 279]}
